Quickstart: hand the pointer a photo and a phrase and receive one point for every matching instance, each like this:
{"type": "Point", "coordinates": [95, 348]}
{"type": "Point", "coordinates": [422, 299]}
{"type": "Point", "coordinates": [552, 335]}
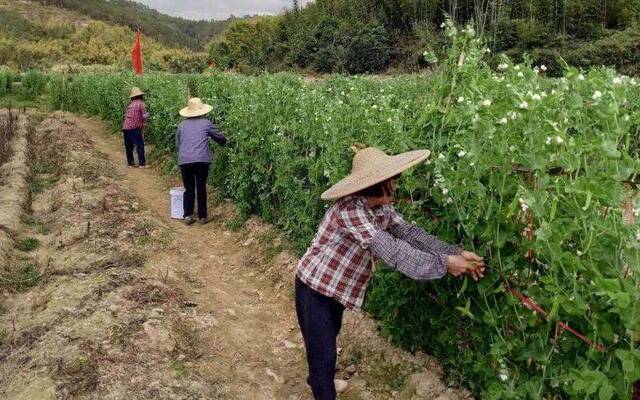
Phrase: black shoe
{"type": "Point", "coordinates": [203, 221]}
{"type": "Point", "coordinates": [189, 220]}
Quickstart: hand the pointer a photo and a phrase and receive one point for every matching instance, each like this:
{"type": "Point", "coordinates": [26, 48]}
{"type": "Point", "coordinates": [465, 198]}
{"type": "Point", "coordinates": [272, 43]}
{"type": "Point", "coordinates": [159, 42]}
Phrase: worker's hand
{"type": "Point", "coordinates": [476, 265]}
{"type": "Point", "coordinates": [469, 256]}
{"type": "Point", "coordinates": [457, 265]}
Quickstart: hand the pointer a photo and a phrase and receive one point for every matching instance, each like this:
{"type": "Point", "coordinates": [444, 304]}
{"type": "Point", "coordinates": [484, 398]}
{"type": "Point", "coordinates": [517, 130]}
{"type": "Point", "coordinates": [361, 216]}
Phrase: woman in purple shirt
{"type": "Point", "coordinates": [194, 156]}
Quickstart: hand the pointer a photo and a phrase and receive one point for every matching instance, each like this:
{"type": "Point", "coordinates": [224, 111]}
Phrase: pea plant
{"type": "Point", "coordinates": [536, 174]}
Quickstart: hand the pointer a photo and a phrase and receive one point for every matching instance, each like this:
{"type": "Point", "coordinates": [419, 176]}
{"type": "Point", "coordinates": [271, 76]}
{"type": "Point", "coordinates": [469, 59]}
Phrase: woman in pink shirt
{"type": "Point", "coordinates": [134, 119]}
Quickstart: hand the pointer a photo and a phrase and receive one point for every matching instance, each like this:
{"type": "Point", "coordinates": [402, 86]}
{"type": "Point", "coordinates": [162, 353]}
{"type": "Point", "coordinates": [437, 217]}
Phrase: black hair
{"type": "Point", "coordinates": [376, 190]}
{"type": "Point", "coordinates": [141, 97]}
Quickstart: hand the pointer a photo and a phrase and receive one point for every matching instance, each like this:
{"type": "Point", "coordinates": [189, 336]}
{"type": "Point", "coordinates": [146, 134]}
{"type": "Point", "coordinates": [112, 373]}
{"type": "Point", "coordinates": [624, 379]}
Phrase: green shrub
{"type": "Point", "coordinates": [33, 84]}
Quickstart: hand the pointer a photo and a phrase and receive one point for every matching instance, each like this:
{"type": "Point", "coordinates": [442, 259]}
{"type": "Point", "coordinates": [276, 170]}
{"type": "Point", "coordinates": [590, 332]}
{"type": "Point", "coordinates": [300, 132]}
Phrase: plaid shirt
{"type": "Point", "coordinates": [339, 262]}
{"type": "Point", "coordinates": [135, 115]}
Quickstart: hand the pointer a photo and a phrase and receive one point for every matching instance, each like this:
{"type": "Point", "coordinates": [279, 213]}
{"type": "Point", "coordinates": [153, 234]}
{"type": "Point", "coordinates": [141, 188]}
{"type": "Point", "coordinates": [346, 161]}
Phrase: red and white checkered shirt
{"type": "Point", "coordinates": [339, 262]}
{"type": "Point", "coordinates": [135, 115]}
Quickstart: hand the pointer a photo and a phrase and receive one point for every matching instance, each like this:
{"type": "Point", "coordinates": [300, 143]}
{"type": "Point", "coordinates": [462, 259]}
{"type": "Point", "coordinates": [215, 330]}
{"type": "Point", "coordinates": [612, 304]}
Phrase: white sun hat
{"type": "Point", "coordinates": [195, 108]}
{"type": "Point", "coordinates": [371, 166]}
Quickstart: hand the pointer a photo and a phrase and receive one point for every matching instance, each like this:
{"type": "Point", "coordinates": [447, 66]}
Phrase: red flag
{"type": "Point", "coordinates": [136, 55]}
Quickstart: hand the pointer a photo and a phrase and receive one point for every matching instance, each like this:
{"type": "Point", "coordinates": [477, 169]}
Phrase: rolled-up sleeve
{"type": "Point", "coordinates": [418, 238]}
{"type": "Point", "coordinates": [402, 257]}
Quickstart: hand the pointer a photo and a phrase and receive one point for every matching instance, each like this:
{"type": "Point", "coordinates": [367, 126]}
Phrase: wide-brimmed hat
{"type": "Point", "coordinates": [135, 92]}
{"type": "Point", "coordinates": [372, 166]}
{"type": "Point", "coordinates": [195, 108]}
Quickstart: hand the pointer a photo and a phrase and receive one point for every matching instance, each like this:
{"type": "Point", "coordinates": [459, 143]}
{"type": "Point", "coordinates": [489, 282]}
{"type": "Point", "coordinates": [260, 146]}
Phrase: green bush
{"type": "Point", "coordinates": [513, 152]}
{"type": "Point", "coordinates": [33, 84]}
{"type": "Point", "coordinates": [6, 82]}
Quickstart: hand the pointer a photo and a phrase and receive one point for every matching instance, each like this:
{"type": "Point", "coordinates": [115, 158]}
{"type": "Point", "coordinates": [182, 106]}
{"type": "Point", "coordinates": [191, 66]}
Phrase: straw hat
{"type": "Point", "coordinates": [195, 108]}
{"type": "Point", "coordinates": [372, 166]}
{"type": "Point", "coordinates": [135, 92]}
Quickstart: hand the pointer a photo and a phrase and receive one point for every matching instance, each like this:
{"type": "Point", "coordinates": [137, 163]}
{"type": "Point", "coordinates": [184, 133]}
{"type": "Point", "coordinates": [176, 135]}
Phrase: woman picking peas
{"type": "Point", "coordinates": [360, 227]}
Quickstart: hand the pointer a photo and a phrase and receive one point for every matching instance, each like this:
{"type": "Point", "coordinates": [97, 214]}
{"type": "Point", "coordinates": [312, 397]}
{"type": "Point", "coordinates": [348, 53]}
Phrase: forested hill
{"type": "Point", "coordinates": [173, 31]}
{"type": "Point", "coordinates": [357, 36]}
{"type": "Point", "coordinates": [36, 36]}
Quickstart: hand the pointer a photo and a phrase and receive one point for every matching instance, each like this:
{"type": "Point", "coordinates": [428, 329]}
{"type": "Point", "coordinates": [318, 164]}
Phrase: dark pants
{"type": "Point", "coordinates": [194, 178]}
{"type": "Point", "coordinates": [320, 319]}
{"type": "Point", "coordinates": [133, 138]}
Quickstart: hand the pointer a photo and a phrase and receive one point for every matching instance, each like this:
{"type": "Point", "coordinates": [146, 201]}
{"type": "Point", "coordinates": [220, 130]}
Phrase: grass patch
{"type": "Point", "coordinates": [28, 244]}
{"type": "Point", "coordinates": [22, 278]}
{"type": "Point", "coordinates": [18, 101]}
{"type": "Point", "coordinates": [43, 182]}
{"type": "Point", "coordinates": [272, 246]}
{"type": "Point", "coordinates": [388, 374]}
{"type": "Point", "coordinates": [237, 222]}
{"type": "Point", "coordinates": [179, 368]}
{"type": "Point", "coordinates": [34, 224]}
{"type": "Point", "coordinates": [187, 338]}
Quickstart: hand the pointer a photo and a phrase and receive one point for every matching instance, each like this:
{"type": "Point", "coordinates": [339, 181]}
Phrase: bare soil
{"type": "Point", "coordinates": [131, 304]}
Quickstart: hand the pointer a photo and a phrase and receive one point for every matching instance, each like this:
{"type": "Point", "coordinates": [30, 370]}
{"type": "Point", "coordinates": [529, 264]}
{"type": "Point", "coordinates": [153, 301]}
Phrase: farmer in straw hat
{"type": "Point", "coordinates": [133, 126]}
{"type": "Point", "coordinates": [362, 226]}
{"type": "Point", "coordinates": [194, 156]}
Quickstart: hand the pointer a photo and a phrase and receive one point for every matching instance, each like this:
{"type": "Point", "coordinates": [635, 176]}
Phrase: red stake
{"type": "Point", "coordinates": [532, 305]}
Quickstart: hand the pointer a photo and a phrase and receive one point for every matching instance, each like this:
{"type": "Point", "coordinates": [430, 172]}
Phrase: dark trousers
{"type": "Point", "coordinates": [320, 319]}
{"type": "Point", "coordinates": [194, 178]}
{"type": "Point", "coordinates": [133, 138]}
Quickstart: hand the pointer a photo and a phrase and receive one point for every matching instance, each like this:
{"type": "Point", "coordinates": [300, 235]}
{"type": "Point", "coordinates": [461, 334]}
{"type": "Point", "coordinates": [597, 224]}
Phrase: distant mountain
{"type": "Point", "coordinates": [173, 31]}
{"type": "Point", "coordinates": [36, 36]}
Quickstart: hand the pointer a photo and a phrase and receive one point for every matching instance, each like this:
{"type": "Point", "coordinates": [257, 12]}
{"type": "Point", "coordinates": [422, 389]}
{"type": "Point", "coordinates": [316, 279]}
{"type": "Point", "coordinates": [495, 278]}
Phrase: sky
{"type": "Point", "coordinates": [218, 9]}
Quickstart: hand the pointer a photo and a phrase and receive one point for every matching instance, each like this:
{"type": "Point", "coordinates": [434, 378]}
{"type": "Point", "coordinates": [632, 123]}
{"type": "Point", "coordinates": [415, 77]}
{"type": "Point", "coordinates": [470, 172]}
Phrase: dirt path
{"type": "Point", "coordinates": [250, 342]}
{"type": "Point", "coordinates": [257, 347]}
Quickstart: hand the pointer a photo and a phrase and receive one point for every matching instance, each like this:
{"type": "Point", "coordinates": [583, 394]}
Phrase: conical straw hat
{"type": "Point", "coordinates": [195, 108]}
{"type": "Point", "coordinates": [135, 92]}
{"type": "Point", "coordinates": [372, 166]}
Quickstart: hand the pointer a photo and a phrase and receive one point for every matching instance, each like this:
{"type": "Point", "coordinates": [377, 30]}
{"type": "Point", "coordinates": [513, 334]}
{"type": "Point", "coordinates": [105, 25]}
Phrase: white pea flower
{"type": "Point", "coordinates": [487, 50]}
{"type": "Point", "coordinates": [375, 107]}
{"type": "Point", "coordinates": [503, 67]}
{"type": "Point", "coordinates": [462, 153]}
{"type": "Point", "coordinates": [543, 67]}
{"type": "Point", "coordinates": [486, 103]}
{"type": "Point", "coordinates": [524, 105]}
{"type": "Point", "coordinates": [581, 77]}
{"type": "Point", "coordinates": [559, 140]}
{"type": "Point", "coordinates": [597, 95]}
{"type": "Point", "coordinates": [579, 253]}
{"type": "Point", "coordinates": [543, 94]}
{"type": "Point", "coordinates": [520, 74]}
{"type": "Point", "coordinates": [460, 99]}
{"type": "Point", "coordinates": [536, 97]}
{"type": "Point", "coordinates": [548, 141]}
{"type": "Point", "coordinates": [441, 156]}
{"type": "Point", "coordinates": [553, 92]}
{"type": "Point", "coordinates": [449, 200]}
{"type": "Point", "coordinates": [536, 70]}
{"type": "Point", "coordinates": [517, 68]}
{"type": "Point", "coordinates": [445, 191]}
{"type": "Point", "coordinates": [442, 25]}
{"type": "Point", "coordinates": [617, 80]}
{"type": "Point", "coordinates": [633, 81]}
{"type": "Point", "coordinates": [342, 93]}
{"type": "Point", "coordinates": [512, 114]}
{"type": "Point", "coordinates": [638, 236]}
{"type": "Point", "coordinates": [472, 164]}
{"type": "Point", "coordinates": [512, 148]}
{"type": "Point", "coordinates": [503, 121]}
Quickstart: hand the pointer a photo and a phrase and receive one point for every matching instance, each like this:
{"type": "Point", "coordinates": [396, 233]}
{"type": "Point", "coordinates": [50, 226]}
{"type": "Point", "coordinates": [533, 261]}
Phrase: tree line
{"type": "Point", "coordinates": [361, 36]}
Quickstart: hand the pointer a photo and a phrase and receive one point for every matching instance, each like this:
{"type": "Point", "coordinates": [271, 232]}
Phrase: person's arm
{"type": "Point", "coordinates": [402, 257]}
{"type": "Point", "coordinates": [216, 134]}
{"type": "Point", "coordinates": [418, 238]}
{"type": "Point", "coordinates": [178, 139]}
{"type": "Point", "coordinates": [144, 112]}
